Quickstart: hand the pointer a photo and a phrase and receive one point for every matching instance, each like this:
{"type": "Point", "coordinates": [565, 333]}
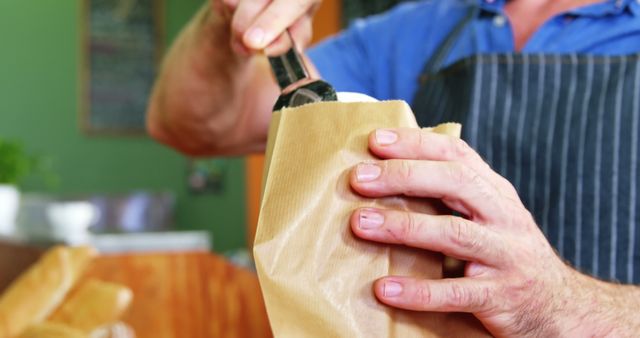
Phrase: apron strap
{"type": "Point", "coordinates": [435, 62]}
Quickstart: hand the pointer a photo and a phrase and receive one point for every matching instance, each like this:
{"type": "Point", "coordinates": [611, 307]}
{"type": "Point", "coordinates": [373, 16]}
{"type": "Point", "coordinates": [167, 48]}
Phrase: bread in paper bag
{"type": "Point", "coordinates": [316, 276]}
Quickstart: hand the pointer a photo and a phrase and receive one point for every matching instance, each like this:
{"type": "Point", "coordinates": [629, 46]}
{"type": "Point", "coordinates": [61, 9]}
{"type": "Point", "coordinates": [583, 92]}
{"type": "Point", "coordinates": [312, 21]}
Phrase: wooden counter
{"type": "Point", "coordinates": [187, 295]}
{"type": "Point", "coordinates": [176, 295]}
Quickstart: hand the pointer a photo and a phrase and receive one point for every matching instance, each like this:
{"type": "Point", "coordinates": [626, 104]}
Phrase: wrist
{"type": "Point", "coordinates": [588, 308]}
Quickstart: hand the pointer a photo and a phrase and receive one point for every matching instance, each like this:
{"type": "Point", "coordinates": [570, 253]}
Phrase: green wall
{"type": "Point", "coordinates": [39, 70]}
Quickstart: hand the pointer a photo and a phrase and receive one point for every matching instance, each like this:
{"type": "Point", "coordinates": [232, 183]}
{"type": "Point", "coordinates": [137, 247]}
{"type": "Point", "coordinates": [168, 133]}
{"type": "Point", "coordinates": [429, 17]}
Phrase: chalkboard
{"type": "Point", "coordinates": [123, 44]}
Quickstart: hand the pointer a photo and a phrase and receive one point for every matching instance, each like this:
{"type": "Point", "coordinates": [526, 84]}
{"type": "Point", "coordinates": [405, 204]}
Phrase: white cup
{"type": "Point", "coordinates": [70, 221]}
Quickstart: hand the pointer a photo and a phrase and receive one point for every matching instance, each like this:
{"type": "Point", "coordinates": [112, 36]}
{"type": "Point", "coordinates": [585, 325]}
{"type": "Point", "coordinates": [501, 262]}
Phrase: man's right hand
{"type": "Point", "coordinates": [261, 24]}
{"type": "Point", "coordinates": [212, 99]}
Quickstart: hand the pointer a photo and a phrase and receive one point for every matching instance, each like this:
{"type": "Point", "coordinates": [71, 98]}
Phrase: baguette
{"type": "Point", "coordinates": [32, 297]}
{"type": "Point", "coordinates": [93, 305]}
{"type": "Point", "coordinates": [52, 330]}
{"type": "Point", "coordinates": [80, 257]}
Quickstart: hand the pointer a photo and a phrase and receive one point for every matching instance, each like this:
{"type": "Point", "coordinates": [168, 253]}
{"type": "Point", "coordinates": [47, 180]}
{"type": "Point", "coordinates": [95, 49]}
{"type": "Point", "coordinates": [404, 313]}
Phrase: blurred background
{"type": "Point", "coordinates": [76, 166]}
{"type": "Point", "coordinates": [74, 158]}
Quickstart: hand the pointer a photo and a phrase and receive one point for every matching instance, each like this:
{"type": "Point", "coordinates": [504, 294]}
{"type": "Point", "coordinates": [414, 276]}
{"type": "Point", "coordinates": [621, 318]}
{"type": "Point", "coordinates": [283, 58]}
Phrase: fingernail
{"type": "Point", "coordinates": [370, 219]}
{"type": "Point", "coordinates": [255, 37]}
{"type": "Point", "coordinates": [386, 137]}
{"type": "Point", "coordinates": [367, 172]}
{"type": "Point", "coordinates": [391, 289]}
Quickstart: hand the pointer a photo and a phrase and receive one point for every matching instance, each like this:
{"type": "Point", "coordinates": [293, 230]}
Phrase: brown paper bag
{"type": "Point", "coordinates": [316, 276]}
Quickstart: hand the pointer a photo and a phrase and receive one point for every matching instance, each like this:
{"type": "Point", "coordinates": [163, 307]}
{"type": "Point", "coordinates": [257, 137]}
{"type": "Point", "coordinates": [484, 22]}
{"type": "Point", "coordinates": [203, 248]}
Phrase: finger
{"type": "Point", "coordinates": [274, 20]}
{"type": "Point", "coordinates": [453, 236]}
{"type": "Point", "coordinates": [444, 295]}
{"type": "Point", "coordinates": [244, 15]}
{"type": "Point", "coordinates": [239, 48]}
{"type": "Point", "coordinates": [279, 46]}
{"type": "Point", "coordinates": [218, 6]}
{"type": "Point", "coordinates": [225, 7]}
{"type": "Point", "coordinates": [231, 4]}
{"type": "Point", "coordinates": [459, 187]}
{"type": "Point", "coordinates": [301, 32]}
{"type": "Point", "coordinates": [420, 144]}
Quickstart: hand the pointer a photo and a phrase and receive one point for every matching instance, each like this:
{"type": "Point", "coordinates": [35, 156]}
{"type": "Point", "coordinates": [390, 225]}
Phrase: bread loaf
{"type": "Point", "coordinates": [52, 330]}
{"type": "Point", "coordinates": [32, 297]}
{"type": "Point", "coordinates": [93, 305]}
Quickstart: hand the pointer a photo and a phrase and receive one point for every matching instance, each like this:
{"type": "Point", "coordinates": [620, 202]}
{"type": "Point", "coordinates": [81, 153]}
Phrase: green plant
{"type": "Point", "coordinates": [15, 164]}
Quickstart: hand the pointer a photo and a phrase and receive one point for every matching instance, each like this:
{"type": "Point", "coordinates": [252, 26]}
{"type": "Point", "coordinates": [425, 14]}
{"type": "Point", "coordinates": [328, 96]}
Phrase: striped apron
{"type": "Point", "coordinates": [564, 130]}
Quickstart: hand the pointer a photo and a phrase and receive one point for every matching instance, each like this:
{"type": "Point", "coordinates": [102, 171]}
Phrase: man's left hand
{"type": "Point", "coordinates": [514, 282]}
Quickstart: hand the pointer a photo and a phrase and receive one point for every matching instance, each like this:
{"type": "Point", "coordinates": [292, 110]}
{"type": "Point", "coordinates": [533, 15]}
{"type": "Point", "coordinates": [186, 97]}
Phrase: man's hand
{"type": "Point", "coordinates": [514, 282]}
{"type": "Point", "coordinates": [262, 24]}
{"type": "Point", "coordinates": [199, 103]}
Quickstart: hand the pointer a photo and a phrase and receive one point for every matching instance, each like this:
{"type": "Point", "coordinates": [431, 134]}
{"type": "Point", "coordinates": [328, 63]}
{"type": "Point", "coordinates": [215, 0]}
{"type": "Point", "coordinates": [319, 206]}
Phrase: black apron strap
{"type": "Point", "coordinates": [426, 92]}
{"type": "Point", "coordinates": [438, 58]}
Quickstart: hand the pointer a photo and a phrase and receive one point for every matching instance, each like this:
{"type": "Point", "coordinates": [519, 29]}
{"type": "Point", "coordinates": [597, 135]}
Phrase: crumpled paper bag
{"type": "Point", "coordinates": [316, 276]}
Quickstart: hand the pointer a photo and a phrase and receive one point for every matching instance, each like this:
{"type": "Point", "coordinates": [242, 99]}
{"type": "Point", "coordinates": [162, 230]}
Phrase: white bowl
{"type": "Point", "coordinates": [71, 220]}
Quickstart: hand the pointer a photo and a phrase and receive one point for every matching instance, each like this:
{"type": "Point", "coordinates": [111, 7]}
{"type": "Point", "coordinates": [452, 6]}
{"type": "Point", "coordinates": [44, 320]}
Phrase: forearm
{"type": "Point", "coordinates": [601, 309]}
{"type": "Point", "coordinates": [202, 102]}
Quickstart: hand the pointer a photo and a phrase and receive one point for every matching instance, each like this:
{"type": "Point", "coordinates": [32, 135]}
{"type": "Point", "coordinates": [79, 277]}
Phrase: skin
{"type": "Point", "coordinates": [514, 282]}
{"type": "Point", "coordinates": [214, 97]}
{"type": "Point", "coordinates": [215, 92]}
{"type": "Point", "coordinates": [526, 17]}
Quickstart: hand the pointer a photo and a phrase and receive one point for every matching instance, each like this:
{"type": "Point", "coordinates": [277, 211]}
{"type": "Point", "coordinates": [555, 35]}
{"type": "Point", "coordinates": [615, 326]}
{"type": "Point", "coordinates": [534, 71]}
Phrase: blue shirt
{"type": "Point", "coordinates": [384, 55]}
